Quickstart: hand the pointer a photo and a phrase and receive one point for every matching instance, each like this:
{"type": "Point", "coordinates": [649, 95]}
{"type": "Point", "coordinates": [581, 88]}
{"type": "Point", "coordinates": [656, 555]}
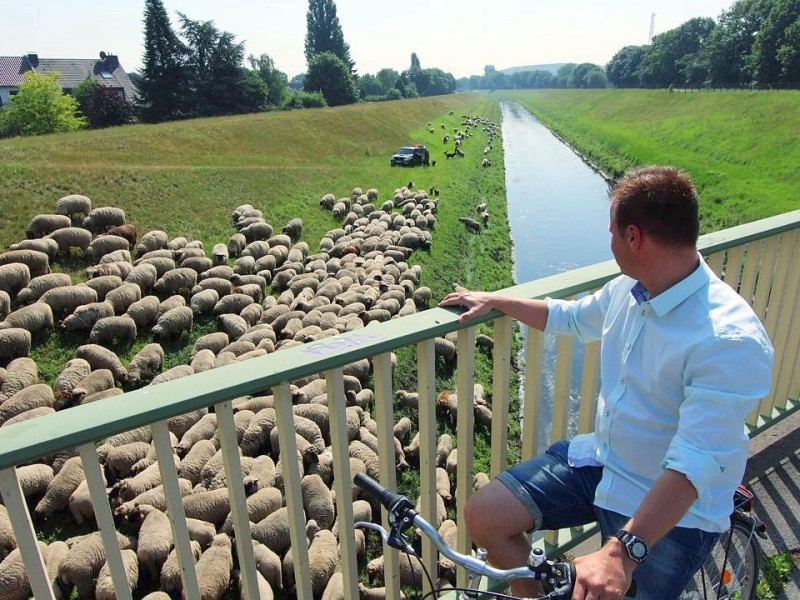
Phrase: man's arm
{"type": "Point", "coordinates": [529, 311]}
{"type": "Point", "coordinates": [607, 573]}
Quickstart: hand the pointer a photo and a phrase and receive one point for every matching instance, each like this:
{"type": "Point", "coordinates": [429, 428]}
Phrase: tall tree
{"type": "Point", "coordinates": [622, 69]}
{"type": "Point", "coordinates": [329, 74]}
{"type": "Point", "coordinates": [772, 46]}
{"type": "Point", "coordinates": [673, 53]}
{"type": "Point", "coordinates": [163, 86]}
{"type": "Point", "coordinates": [275, 80]}
{"type": "Point", "coordinates": [324, 33]}
{"type": "Point", "coordinates": [415, 61]}
{"type": "Point", "coordinates": [40, 107]}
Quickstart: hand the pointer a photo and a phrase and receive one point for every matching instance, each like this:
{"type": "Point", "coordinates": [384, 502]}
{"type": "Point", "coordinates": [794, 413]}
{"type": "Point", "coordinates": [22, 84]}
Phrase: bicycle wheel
{"type": "Point", "coordinates": [731, 570]}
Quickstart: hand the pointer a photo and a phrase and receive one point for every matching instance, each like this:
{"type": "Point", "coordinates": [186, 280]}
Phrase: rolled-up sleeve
{"type": "Point", "coordinates": [582, 318]}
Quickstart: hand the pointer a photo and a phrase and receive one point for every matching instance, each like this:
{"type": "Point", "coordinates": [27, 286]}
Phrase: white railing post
{"type": "Point", "coordinates": [465, 430]}
{"type": "Point", "coordinates": [501, 379]}
{"type": "Point", "coordinates": [426, 415]}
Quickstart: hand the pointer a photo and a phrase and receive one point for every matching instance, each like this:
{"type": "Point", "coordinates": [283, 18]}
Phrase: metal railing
{"type": "Point", "coordinates": [757, 259]}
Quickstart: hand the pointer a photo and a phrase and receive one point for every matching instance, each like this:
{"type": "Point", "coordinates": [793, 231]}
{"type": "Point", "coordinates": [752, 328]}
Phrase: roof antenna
{"type": "Point", "coordinates": [652, 27]}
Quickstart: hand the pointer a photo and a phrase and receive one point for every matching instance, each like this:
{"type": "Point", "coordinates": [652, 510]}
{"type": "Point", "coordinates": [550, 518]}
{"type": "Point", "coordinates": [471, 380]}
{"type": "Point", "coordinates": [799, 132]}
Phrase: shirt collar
{"type": "Point", "coordinates": [672, 297]}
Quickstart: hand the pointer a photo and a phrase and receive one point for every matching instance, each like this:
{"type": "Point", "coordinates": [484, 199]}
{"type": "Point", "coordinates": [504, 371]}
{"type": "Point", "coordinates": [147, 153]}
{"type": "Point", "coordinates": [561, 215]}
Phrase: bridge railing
{"type": "Point", "coordinates": [757, 259]}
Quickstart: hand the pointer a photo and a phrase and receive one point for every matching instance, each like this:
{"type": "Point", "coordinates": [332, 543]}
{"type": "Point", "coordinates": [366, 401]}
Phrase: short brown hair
{"type": "Point", "coordinates": [661, 201]}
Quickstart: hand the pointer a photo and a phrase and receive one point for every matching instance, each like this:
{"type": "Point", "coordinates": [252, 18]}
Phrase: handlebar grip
{"type": "Point", "coordinates": [375, 490]}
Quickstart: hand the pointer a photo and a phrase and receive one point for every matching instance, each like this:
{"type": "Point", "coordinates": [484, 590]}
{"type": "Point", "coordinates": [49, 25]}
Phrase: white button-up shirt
{"type": "Point", "coordinates": [679, 374]}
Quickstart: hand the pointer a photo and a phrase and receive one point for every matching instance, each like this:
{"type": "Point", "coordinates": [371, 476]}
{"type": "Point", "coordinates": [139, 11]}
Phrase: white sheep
{"type": "Point", "coordinates": [144, 312]}
{"type": "Point", "coordinates": [111, 264]}
{"type": "Point", "coordinates": [42, 225]}
{"type": "Point", "coordinates": [273, 531]}
{"type": "Point", "coordinates": [64, 300]}
{"type": "Point", "coordinates": [101, 219]}
{"type": "Point", "coordinates": [37, 262]}
{"type": "Point", "coordinates": [14, 583]}
{"type": "Point", "coordinates": [14, 277]}
{"type": "Point", "coordinates": [105, 244]}
{"type": "Point", "coordinates": [19, 374]}
{"type": "Point", "coordinates": [103, 284]}
{"type": "Point", "coordinates": [47, 245]}
{"type": "Point", "coordinates": [104, 588]}
{"type": "Point", "coordinates": [73, 204]}
{"type": "Point", "coordinates": [145, 363]}
{"type": "Point", "coordinates": [114, 330]}
{"type": "Point", "coordinates": [15, 342]}
{"type": "Point", "coordinates": [60, 488]}
{"type": "Point", "coordinates": [171, 570]}
{"type": "Point", "coordinates": [215, 342]}
{"type": "Point", "coordinates": [71, 237]}
{"type": "Point", "coordinates": [102, 358]}
{"type": "Point", "coordinates": [86, 315]}
{"type": "Point", "coordinates": [144, 275]}
{"type": "Point", "coordinates": [33, 396]}
{"type": "Point", "coordinates": [5, 304]}
{"type": "Point", "coordinates": [214, 568]}
{"type": "Point", "coordinates": [220, 254]}
{"type": "Point", "coordinates": [85, 559]}
{"type": "Point", "coordinates": [96, 381]}
{"type": "Point", "coordinates": [152, 240]}
{"type": "Point", "coordinates": [181, 278]}
{"type": "Point", "coordinates": [174, 322]}
{"type": "Point", "coordinates": [123, 296]}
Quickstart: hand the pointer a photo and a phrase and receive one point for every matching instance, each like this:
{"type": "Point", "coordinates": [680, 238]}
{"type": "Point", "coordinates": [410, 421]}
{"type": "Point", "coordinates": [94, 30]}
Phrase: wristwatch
{"type": "Point", "coordinates": [636, 547]}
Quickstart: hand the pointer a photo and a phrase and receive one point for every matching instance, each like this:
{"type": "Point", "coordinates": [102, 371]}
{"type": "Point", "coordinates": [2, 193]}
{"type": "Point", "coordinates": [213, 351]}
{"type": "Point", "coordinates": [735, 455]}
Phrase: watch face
{"type": "Point", "coordinates": [638, 550]}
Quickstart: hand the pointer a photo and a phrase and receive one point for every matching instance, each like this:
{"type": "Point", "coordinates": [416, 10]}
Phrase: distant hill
{"type": "Point", "coordinates": [553, 68]}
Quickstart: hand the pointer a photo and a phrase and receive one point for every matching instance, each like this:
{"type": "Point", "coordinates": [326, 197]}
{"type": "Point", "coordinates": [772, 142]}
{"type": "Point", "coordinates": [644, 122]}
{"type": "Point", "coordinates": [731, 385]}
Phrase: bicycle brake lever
{"type": "Point", "coordinates": [394, 538]}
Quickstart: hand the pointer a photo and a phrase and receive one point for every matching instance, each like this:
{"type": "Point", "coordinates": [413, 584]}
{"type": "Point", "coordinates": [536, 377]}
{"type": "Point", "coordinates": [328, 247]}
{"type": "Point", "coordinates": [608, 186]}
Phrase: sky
{"type": "Point", "coordinates": [457, 36]}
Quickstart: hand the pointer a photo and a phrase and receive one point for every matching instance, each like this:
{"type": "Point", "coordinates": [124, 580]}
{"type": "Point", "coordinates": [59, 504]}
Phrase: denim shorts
{"type": "Point", "coordinates": [558, 496]}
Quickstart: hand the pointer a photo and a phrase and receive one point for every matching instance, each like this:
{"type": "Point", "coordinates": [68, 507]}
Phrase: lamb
{"type": "Point", "coordinates": [205, 360]}
{"type": "Point", "coordinates": [38, 262]}
{"type": "Point", "coordinates": [105, 244]}
{"type": "Point", "coordinates": [214, 568]}
{"type": "Point", "coordinates": [83, 563]}
{"type": "Point", "coordinates": [32, 318]}
{"type": "Point", "coordinates": [64, 300]}
{"type": "Point", "coordinates": [181, 278]}
{"type": "Point", "coordinates": [71, 237]}
{"type": "Point", "coordinates": [15, 342]}
{"type": "Point", "coordinates": [42, 225]}
{"type": "Point", "coordinates": [146, 363]}
{"type": "Point", "coordinates": [144, 275]}
{"type": "Point", "coordinates": [123, 296]}
{"type": "Point", "coordinates": [152, 240]}
{"type": "Point", "coordinates": [14, 277]}
{"type": "Point", "coordinates": [174, 323]}
{"type": "Point", "coordinates": [104, 589]}
{"type": "Point", "coordinates": [46, 245]}
{"type": "Point", "coordinates": [144, 312]}
{"type": "Point", "coordinates": [102, 358]}
{"type": "Point", "coordinates": [33, 396]}
{"type": "Point", "coordinates": [85, 316]}
{"type": "Point", "coordinates": [56, 496]}
{"type": "Point", "coordinates": [20, 373]}
{"type": "Point", "coordinates": [114, 330]}
{"type": "Point", "coordinates": [101, 219]}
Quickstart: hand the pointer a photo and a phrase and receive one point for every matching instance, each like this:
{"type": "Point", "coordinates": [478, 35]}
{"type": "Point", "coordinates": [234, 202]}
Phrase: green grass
{"type": "Point", "coordinates": [741, 148]}
{"type": "Point", "coordinates": [776, 573]}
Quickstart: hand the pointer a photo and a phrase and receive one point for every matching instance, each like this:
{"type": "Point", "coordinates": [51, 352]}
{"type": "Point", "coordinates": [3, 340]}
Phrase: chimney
{"type": "Point", "coordinates": [111, 61]}
{"type": "Point", "coordinates": [33, 59]}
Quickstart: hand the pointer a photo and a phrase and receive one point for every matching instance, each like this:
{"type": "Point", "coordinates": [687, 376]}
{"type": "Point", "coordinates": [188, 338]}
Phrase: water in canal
{"type": "Point", "coordinates": [558, 214]}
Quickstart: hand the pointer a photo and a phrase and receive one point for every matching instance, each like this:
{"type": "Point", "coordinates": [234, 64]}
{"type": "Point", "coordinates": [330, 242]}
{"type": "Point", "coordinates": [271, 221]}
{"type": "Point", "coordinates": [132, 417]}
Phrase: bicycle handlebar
{"type": "Point", "coordinates": [557, 577]}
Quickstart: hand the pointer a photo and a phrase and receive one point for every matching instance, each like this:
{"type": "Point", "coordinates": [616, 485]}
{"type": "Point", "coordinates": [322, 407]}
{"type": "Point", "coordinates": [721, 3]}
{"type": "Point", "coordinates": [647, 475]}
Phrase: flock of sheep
{"type": "Point", "coordinates": [152, 284]}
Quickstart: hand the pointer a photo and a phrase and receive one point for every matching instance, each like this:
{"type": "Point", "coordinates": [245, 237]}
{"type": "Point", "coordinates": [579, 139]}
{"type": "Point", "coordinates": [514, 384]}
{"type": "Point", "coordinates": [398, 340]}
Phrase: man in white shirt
{"type": "Point", "coordinates": [683, 361]}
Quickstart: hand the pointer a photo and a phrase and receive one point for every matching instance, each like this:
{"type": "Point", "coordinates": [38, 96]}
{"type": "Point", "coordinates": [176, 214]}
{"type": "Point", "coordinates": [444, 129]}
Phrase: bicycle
{"type": "Point", "coordinates": [557, 578]}
{"type": "Point", "coordinates": [732, 568]}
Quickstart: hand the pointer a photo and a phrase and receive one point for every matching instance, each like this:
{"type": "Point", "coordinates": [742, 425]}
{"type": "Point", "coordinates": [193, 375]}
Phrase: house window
{"type": "Point", "coordinates": [106, 75]}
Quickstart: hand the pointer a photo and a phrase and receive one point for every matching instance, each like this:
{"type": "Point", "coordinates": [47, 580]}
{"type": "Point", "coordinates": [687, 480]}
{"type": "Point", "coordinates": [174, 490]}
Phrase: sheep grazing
{"type": "Point", "coordinates": [64, 300]}
{"type": "Point", "coordinates": [102, 358]}
{"type": "Point", "coordinates": [33, 318]}
{"type": "Point", "coordinates": [34, 396]}
{"type": "Point", "coordinates": [15, 342]}
{"type": "Point", "coordinates": [85, 316]}
{"type": "Point", "coordinates": [74, 371]}
{"type": "Point", "coordinates": [14, 277]}
{"type": "Point", "coordinates": [99, 220]}
{"type": "Point", "coordinates": [174, 323]}
{"type": "Point", "coordinates": [471, 224]}
{"type": "Point", "coordinates": [38, 263]}
{"type": "Point", "coordinates": [181, 278]}
{"type": "Point", "coordinates": [65, 482]}
{"type": "Point", "coordinates": [146, 363]}
{"type": "Point", "coordinates": [114, 331]}
{"type": "Point", "coordinates": [42, 225]}
{"type": "Point", "coordinates": [104, 588]}
{"type": "Point", "coordinates": [47, 245]}
{"type": "Point", "coordinates": [105, 244]}
{"type": "Point", "coordinates": [71, 237]}
{"type": "Point", "coordinates": [73, 204]}
{"type": "Point", "coordinates": [293, 228]}
{"type": "Point", "coordinates": [122, 297]}
{"type": "Point", "coordinates": [19, 374]}
{"type": "Point", "coordinates": [151, 241]}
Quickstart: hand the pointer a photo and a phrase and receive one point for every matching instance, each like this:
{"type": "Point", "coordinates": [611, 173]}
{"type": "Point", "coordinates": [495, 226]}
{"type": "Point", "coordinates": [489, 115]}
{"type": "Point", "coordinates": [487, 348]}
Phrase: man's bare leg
{"type": "Point", "coordinates": [497, 521]}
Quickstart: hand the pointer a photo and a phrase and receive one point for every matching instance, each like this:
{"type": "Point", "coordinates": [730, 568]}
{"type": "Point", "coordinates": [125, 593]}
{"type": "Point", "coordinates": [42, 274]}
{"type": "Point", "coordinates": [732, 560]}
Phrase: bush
{"type": "Point", "coordinates": [40, 107]}
{"type": "Point", "coordinates": [304, 100]}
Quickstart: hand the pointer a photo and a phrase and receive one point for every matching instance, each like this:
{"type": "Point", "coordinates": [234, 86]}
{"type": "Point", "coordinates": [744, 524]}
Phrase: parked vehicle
{"type": "Point", "coordinates": [410, 156]}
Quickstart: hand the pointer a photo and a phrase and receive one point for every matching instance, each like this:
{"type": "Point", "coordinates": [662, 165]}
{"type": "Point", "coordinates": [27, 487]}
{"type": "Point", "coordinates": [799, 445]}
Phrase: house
{"type": "Point", "coordinates": [106, 71]}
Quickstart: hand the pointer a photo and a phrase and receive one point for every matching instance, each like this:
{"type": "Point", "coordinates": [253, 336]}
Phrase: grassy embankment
{"type": "Point", "coordinates": [742, 149]}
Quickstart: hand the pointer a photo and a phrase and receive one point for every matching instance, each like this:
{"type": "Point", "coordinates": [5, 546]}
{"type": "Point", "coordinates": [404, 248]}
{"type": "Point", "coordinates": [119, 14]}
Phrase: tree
{"type": "Point", "coordinates": [369, 86]}
{"type": "Point", "coordinates": [415, 64]}
{"type": "Point", "coordinates": [40, 107]}
{"type": "Point", "coordinates": [622, 69]}
{"type": "Point", "coordinates": [388, 79]}
{"type": "Point", "coordinates": [324, 34]}
{"type": "Point", "coordinates": [108, 108]}
{"type": "Point", "coordinates": [83, 93]}
{"type": "Point", "coordinates": [772, 42]}
{"type": "Point", "coordinates": [163, 87]}
{"type": "Point", "coordinates": [275, 80]}
{"type": "Point", "coordinates": [329, 74]}
{"type": "Point", "coordinates": [674, 51]}
{"type": "Point", "coordinates": [586, 75]}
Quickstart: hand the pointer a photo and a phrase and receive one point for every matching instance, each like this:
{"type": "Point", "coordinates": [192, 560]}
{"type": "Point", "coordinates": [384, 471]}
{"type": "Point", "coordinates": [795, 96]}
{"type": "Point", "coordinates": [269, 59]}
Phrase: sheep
{"type": "Point", "coordinates": [199, 454]}
{"type": "Point", "coordinates": [32, 318]}
{"type": "Point", "coordinates": [5, 304]}
{"type": "Point", "coordinates": [97, 381]}
{"type": "Point", "coordinates": [171, 570]}
{"type": "Point", "coordinates": [15, 342]}
{"type": "Point", "coordinates": [144, 275]}
{"type": "Point", "coordinates": [103, 284]}
{"type": "Point", "coordinates": [173, 301]}
{"type": "Point", "coordinates": [173, 323]}
{"type": "Point", "coordinates": [471, 224]}
{"type": "Point", "coordinates": [222, 286]}
{"type": "Point", "coordinates": [14, 584]}
{"type": "Point", "coordinates": [20, 373]}
{"type": "Point", "coordinates": [105, 244]}
{"type": "Point", "coordinates": [128, 489]}
{"type": "Point", "coordinates": [410, 570]}
{"type": "Point", "coordinates": [293, 228]}
{"type": "Point", "coordinates": [232, 325]}
{"type": "Point", "coordinates": [257, 231]}
{"type": "Point", "coordinates": [80, 503]}
{"type": "Point", "coordinates": [37, 262]}
{"type": "Point", "coordinates": [71, 237]}
{"type": "Point", "coordinates": [74, 371]}
{"type": "Point", "coordinates": [64, 300]}
{"type": "Point", "coordinates": [60, 488]}
{"type": "Point", "coordinates": [203, 429]}
{"type": "Point", "coordinates": [212, 341]}
{"type": "Point", "coordinates": [260, 504]}
{"type": "Point", "coordinates": [177, 373]}
{"type": "Point", "coordinates": [273, 531]}
{"type": "Point", "coordinates": [181, 278]}
{"type": "Point", "coordinates": [114, 330]}
{"type": "Point", "coordinates": [85, 316]}
{"type": "Point", "coordinates": [150, 241]}
{"type": "Point", "coordinates": [122, 297]}
{"type": "Point", "coordinates": [85, 560]}
{"type": "Point", "coordinates": [101, 219]}
{"type": "Point", "coordinates": [204, 301]}
{"type": "Point", "coordinates": [214, 568]}
{"type": "Point", "coordinates": [119, 460]}
{"type": "Point", "coordinates": [252, 314]}
{"type": "Point", "coordinates": [104, 588]}
{"type": "Point", "coordinates": [33, 480]}
{"type": "Point", "coordinates": [102, 358]}
{"type": "Point", "coordinates": [220, 254]}
{"type": "Point", "coordinates": [46, 245]}
{"type": "Point", "coordinates": [154, 539]}
{"type": "Point", "coordinates": [7, 540]}
{"type": "Point", "coordinates": [33, 396]}
{"type": "Point", "coordinates": [42, 225]}
{"type": "Point", "coordinates": [236, 244]}
{"type": "Point", "coordinates": [146, 363]}
{"type": "Point", "coordinates": [361, 451]}
{"type": "Point", "coordinates": [102, 395]}
{"type": "Point", "coordinates": [211, 506]}
{"type": "Point", "coordinates": [155, 498]}
{"type": "Point", "coordinates": [199, 264]}
{"type": "Point", "coordinates": [163, 264]}
{"type": "Point", "coordinates": [111, 264]}
{"type": "Point", "coordinates": [127, 231]}
{"type": "Point", "coordinates": [72, 205]}
{"type": "Point", "coordinates": [144, 312]}
{"type": "Point", "coordinates": [232, 303]}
